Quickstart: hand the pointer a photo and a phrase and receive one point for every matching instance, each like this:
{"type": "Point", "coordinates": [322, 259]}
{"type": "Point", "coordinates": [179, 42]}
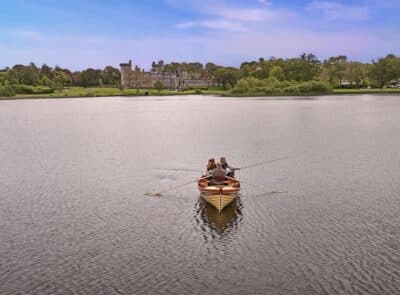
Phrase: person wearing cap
{"type": "Point", "coordinates": [226, 166]}
{"type": "Point", "coordinates": [211, 165]}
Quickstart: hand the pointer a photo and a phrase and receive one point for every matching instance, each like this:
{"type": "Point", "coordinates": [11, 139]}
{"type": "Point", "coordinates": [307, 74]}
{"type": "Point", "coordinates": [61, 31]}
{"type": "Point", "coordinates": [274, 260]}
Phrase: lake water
{"type": "Point", "coordinates": [74, 218]}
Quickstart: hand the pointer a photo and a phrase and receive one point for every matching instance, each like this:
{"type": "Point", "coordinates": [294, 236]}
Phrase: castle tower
{"type": "Point", "coordinates": [126, 73]}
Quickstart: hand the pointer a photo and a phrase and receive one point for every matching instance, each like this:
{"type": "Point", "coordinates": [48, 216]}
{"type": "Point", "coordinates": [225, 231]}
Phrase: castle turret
{"type": "Point", "coordinates": [126, 72]}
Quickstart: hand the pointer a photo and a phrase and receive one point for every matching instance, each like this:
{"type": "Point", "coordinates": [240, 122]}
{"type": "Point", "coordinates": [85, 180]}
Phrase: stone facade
{"type": "Point", "coordinates": [170, 80]}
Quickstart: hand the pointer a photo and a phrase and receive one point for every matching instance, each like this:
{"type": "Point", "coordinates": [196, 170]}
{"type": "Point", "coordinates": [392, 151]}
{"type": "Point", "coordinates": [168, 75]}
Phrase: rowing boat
{"type": "Point", "coordinates": [219, 195]}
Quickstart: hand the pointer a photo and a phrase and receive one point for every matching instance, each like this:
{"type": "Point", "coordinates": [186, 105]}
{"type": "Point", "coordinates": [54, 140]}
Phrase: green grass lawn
{"type": "Point", "coordinates": [109, 91]}
{"type": "Point", "coordinates": [366, 91]}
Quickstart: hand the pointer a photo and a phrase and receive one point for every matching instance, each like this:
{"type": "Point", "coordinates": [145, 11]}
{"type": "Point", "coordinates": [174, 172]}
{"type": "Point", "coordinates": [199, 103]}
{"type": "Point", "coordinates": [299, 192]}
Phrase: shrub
{"type": "Point", "coordinates": [28, 89]}
{"type": "Point", "coordinates": [314, 87]}
{"type": "Point", "coordinates": [6, 90]}
{"type": "Point", "coordinates": [273, 86]}
{"type": "Point", "coordinates": [267, 90]}
{"type": "Point", "coordinates": [292, 90]}
{"type": "Point", "coordinates": [198, 91]}
{"type": "Point", "coordinates": [242, 86]}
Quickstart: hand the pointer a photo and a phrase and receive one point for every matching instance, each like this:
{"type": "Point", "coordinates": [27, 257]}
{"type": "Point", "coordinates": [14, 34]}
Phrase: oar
{"type": "Point", "coordinates": [259, 186]}
{"type": "Point", "coordinates": [264, 163]}
{"type": "Point", "coordinates": [262, 187]}
{"type": "Point", "coordinates": [251, 184]}
{"type": "Point", "coordinates": [175, 187]}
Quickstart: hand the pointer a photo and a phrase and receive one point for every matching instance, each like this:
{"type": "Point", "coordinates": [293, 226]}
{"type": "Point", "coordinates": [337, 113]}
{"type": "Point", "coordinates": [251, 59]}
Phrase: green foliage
{"type": "Point", "coordinates": [277, 73]}
{"type": "Point", "coordinates": [28, 89]}
{"type": "Point", "coordinates": [227, 77]}
{"type": "Point", "coordinates": [304, 68]}
{"type": "Point", "coordinates": [58, 78]}
{"type": "Point", "coordinates": [383, 71]}
{"type": "Point", "coordinates": [3, 76]}
{"type": "Point", "coordinates": [110, 76]}
{"type": "Point", "coordinates": [355, 75]}
{"type": "Point", "coordinates": [159, 86]}
{"type": "Point", "coordinates": [6, 90]}
{"type": "Point", "coordinates": [272, 86]}
{"type": "Point", "coordinates": [333, 69]}
{"type": "Point", "coordinates": [273, 76]}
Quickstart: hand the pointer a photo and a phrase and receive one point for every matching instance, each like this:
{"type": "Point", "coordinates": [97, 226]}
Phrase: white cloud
{"type": "Point", "coordinates": [214, 24]}
{"type": "Point", "coordinates": [241, 14]}
{"type": "Point", "coordinates": [338, 11]}
{"type": "Point", "coordinates": [222, 16]}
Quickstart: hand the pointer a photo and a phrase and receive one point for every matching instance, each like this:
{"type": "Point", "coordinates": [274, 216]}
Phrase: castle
{"type": "Point", "coordinates": [179, 80]}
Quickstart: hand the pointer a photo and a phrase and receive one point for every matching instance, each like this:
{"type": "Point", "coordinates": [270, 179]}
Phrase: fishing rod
{"type": "Point", "coordinates": [179, 169]}
{"type": "Point", "coordinates": [264, 163]}
{"type": "Point", "coordinates": [241, 168]}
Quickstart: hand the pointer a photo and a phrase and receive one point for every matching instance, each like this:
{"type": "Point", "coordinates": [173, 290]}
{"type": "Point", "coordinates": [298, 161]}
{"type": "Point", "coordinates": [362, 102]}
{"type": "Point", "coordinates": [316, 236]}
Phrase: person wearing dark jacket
{"type": "Point", "coordinates": [218, 175]}
{"type": "Point", "coordinates": [226, 167]}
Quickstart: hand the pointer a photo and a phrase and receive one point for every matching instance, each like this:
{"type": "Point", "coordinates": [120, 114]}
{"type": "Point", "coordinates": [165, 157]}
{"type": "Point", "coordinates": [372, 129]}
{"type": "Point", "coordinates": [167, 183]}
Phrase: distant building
{"type": "Point", "coordinates": [171, 80]}
{"type": "Point", "coordinates": [126, 69]}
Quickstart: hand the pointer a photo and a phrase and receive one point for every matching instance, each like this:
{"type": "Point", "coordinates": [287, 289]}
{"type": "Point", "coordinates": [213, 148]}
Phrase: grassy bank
{"type": "Point", "coordinates": [106, 91]}
{"type": "Point", "coordinates": [334, 92]}
{"type": "Point", "coordinates": [367, 91]}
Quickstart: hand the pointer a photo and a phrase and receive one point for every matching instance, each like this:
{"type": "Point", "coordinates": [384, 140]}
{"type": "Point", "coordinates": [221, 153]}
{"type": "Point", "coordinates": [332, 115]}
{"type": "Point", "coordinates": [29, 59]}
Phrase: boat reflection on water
{"type": "Point", "coordinates": [221, 222]}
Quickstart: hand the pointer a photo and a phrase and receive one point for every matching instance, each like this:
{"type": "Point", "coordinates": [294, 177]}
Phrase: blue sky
{"type": "Point", "coordinates": [88, 33]}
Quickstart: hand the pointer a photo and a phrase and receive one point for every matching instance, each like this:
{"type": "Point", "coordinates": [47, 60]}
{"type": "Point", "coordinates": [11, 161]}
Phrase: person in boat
{"type": "Point", "coordinates": [230, 171]}
{"type": "Point", "coordinates": [218, 174]}
{"type": "Point", "coordinates": [211, 165]}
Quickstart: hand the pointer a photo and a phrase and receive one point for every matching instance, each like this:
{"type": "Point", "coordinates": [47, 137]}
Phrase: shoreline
{"type": "Point", "coordinates": [90, 93]}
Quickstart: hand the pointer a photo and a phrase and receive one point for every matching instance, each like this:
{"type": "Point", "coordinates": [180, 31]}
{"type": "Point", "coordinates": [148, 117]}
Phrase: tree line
{"type": "Point", "coordinates": [336, 71]}
{"type": "Point", "coordinates": [25, 77]}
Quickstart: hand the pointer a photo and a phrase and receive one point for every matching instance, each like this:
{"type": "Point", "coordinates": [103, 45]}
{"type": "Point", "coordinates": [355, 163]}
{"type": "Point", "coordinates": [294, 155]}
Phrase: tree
{"type": "Point", "coordinates": [137, 78]}
{"type": "Point", "coordinates": [278, 73]}
{"type": "Point", "coordinates": [90, 77]}
{"type": "Point", "coordinates": [384, 70]}
{"type": "Point", "coordinates": [20, 74]}
{"type": "Point", "coordinates": [159, 86]}
{"type": "Point", "coordinates": [6, 89]}
{"type": "Point", "coordinates": [210, 68]}
{"type": "Point", "coordinates": [392, 67]}
{"type": "Point", "coordinates": [354, 73]}
{"type": "Point", "coordinates": [153, 66]}
{"type": "Point", "coordinates": [227, 77]}
{"type": "Point", "coordinates": [46, 71]}
{"type": "Point", "coordinates": [334, 69]}
{"type": "Point", "coordinates": [304, 68]}
{"type": "Point", "coordinates": [62, 79]}
{"type": "Point", "coordinates": [111, 76]}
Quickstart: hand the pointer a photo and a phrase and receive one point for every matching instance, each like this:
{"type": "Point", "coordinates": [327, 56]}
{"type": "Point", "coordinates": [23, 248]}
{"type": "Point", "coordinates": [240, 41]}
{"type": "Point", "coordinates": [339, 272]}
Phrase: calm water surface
{"type": "Point", "coordinates": [74, 220]}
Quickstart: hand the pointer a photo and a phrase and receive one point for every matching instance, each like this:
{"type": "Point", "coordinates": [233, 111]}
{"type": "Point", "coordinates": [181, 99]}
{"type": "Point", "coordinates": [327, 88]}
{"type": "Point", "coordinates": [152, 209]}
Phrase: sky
{"type": "Point", "coordinates": [78, 34]}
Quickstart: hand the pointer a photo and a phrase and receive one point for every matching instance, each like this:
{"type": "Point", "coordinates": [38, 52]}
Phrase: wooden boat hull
{"type": "Point", "coordinates": [219, 201]}
{"type": "Point", "coordinates": [220, 195]}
